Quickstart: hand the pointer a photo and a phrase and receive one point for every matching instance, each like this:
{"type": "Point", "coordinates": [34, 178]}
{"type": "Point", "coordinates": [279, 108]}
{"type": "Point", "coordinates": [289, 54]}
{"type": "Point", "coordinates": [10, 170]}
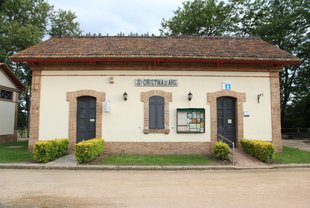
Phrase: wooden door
{"type": "Point", "coordinates": [226, 118]}
{"type": "Point", "coordinates": [86, 118]}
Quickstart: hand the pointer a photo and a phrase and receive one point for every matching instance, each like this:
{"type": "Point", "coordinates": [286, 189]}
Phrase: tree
{"type": "Point", "coordinates": [200, 18]}
{"type": "Point", "coordinates": [298, 113]}
{"type": "Point", "coordinates": [24, 23]}
{"type": "Point", "coordinates": [286, 24]}
{"type": "Point", "coordinates": [63, 24]}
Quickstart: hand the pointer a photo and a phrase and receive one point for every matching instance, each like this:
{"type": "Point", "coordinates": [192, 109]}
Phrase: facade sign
{"type": "Point", "coordinates": [226, 85]}
{"type": "Point", "coordinates": [156, 82]}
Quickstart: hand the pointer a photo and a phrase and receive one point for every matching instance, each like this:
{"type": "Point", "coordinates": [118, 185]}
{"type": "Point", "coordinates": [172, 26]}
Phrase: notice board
{"type": "Point", "coordinates": [190, 120]}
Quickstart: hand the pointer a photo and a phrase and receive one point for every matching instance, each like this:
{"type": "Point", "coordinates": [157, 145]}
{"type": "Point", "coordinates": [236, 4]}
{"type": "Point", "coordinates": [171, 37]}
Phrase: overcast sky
{"type": "Point", "coordinates": [114, 16]}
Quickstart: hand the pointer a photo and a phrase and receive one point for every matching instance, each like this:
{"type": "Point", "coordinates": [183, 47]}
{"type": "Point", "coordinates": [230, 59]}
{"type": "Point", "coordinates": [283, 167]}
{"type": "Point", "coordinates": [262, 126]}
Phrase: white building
{"type": "Point", "coordinates": [182, 92]}
{"type": "Point", "coordinates": [10, 88]}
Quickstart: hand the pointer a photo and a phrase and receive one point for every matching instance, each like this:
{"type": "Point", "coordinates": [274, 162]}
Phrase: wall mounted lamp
{"type": "Point", "coordinates": [259, 96]}
{"type": "Point", "coordinates": [125, 96]}
{"type": "Point", "coordinates": [190, 96]}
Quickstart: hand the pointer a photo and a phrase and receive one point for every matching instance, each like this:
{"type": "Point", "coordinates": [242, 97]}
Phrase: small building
{"type": "Point", "coordinates": [10, 88]}
{"type": "Point", "coordinates": [155, 95]}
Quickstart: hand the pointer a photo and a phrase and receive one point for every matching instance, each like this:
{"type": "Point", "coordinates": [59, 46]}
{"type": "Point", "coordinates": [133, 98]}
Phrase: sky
{"type": "Point", "coordinates": [114, 16]}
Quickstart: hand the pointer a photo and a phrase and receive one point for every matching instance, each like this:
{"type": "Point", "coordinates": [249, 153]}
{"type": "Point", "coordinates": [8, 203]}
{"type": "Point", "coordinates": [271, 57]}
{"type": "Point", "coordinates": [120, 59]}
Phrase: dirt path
{"type": "Point", "coordinates": [303, 144]}
{"type": "Point", "coordinates": [63, 188]}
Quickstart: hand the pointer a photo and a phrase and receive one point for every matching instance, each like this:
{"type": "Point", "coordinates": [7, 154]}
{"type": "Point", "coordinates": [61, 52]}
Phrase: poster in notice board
{"type": "Point", "coordinates": [190, 120]}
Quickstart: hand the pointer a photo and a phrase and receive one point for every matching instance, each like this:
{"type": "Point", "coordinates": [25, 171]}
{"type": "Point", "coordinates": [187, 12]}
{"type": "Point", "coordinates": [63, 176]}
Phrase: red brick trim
{"type": "Point", "coordinates": [211, 97]}
{"type": "Point", "coordinates": [8, 138]}
{"type": "Point", "coordinates": [145, 96]}
{"type": "Point", "coordinates": [275, 110]}
{"type": "Point", "coordinates": [72, 99]}
{"type": "Point", "coordinates": [35, 108]}
{"type": "Point", "coordinates": [158, 148]}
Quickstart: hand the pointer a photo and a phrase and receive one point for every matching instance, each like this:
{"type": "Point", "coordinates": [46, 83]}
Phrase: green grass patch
{"type": "Point", "coordinates": [154, 160]}
{"type": "Point", "coordinates": [292, 155]}
{"type": "Point", "coordinates": [15, 152]}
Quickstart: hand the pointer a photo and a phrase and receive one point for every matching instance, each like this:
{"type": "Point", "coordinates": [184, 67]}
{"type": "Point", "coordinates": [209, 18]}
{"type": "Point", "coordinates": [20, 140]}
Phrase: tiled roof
{"type": "Point", "coordinates": [177, 48]}
{"type": "Point", "coordinates": [12, 76]}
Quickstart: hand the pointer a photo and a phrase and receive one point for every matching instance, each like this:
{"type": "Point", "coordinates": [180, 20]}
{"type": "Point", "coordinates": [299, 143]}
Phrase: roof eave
{"type": "Point", "coordinates": [279, 62]}
{"type": "Point", "coordinates": [19, 85]}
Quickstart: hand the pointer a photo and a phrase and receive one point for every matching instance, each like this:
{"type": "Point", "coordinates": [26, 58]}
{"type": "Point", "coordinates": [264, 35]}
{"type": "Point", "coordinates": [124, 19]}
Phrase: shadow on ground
{"type": "Point", "coordinates": [50, 201]}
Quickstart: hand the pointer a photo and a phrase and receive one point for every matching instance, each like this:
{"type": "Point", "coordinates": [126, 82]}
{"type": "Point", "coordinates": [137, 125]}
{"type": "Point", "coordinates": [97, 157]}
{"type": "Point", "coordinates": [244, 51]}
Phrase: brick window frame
{"type": "Point", "coordinates": [145, 97]}
{"type": "Point", "coordinates": [72, 99]}
{"type": "Point", "coordinates": [240, 99]}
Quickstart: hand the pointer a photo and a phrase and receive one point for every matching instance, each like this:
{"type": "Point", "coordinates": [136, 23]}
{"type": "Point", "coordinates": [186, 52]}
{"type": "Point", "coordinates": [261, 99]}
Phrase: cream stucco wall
{"type": "Point", "coordinates": [125, 121]}
{"type": "Point", "coordinates": [4, 81]}
{"type": "Point", "coordinates": [7, 117]}
{"type": "Point", "coordinates": [7, 108]}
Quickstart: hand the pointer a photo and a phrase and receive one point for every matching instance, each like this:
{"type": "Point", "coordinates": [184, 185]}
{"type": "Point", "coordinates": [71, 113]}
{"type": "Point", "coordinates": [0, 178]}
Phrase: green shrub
{"type": "Point", "coordinates": [221, 150]}
{"type": "Point", "coordinates": [48, 150]}
{"type": "Point", "coordinates": [261, 150]}
{"type": "Point", "coordinates": [88, 150]}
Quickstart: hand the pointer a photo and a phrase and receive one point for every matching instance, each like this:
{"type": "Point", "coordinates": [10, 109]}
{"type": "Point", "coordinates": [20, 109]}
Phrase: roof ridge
{"type": "Point", "coordinates": [161, 37]}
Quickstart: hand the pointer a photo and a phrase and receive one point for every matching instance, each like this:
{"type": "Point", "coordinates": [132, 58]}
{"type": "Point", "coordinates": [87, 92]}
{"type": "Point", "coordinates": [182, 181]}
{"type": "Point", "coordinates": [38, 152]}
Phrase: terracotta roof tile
{"type": "Point", "coordinates": [204, 48]}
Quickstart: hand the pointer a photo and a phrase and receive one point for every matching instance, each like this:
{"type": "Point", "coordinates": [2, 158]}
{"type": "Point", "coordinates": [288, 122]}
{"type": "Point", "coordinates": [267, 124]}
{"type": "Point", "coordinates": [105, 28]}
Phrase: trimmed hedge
{"type": "Point", "coordinates": [261, 150]}
{"type": "Point", "coordinates": [221, 150]}
{"type": "Point", "coordinates": [48, 150]}
{"type": "Point", "coordinates": [88, 150]}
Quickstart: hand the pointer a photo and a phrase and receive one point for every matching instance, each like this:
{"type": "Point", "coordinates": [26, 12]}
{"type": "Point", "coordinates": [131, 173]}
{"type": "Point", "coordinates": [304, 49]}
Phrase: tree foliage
{"type": "Point", "coordinates": [24, 23]}
{"type": "Point", "coordinates": [284, 23]}
{"type": "Point", "coordinates": [201, 18]}
{"type": "Point", "coordinates": [63, 24]}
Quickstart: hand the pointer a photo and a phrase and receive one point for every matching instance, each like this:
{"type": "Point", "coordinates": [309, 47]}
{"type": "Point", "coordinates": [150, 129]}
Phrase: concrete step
{"type": "Point", "coordinates": [65, 160]}
{"type": "Point", "coordinates": [244, 160]}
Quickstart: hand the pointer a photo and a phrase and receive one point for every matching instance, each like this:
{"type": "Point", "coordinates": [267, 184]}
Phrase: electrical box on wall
{"type": "Point", "coordinates": [107, 106]}
{"type": "Point", "coordinates": [246, 114]}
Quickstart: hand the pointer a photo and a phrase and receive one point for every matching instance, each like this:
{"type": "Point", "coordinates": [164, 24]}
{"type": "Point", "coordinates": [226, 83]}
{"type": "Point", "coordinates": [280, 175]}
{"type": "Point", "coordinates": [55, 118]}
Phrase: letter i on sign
{"type": "Point", "coordinates": [226, 86]}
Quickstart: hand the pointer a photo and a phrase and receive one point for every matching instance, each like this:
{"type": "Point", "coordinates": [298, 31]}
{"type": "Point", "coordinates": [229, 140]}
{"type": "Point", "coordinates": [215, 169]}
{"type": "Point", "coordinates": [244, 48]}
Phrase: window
{"type": "Point", "coordinates": [156, 112]}
{"type": "Point", "coordinates": [7, 95]}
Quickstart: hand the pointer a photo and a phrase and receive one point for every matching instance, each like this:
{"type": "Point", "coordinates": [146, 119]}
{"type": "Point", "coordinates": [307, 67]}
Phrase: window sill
{"type": "Point", "coordinates": [159, 131]}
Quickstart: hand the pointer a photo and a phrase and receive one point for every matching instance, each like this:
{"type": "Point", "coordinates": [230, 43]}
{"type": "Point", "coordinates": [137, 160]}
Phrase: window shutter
{"type": "Point", "coordinates": [160, 116]}
{"type": "Point", "coordinates": [156, 112]}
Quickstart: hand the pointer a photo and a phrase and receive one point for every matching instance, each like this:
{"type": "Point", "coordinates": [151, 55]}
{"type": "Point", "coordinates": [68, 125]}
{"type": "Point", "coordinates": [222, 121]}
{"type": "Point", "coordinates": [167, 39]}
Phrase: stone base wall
{"type": "Point", "coordinates": [8, 138]}
{"type": "Point", "coordinates": [158, 148]}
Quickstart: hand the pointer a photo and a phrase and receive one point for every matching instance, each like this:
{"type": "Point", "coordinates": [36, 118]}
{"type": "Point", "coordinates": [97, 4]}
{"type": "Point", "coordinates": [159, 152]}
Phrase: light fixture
{"type": "Point", "coordinates": [190, 96]}
{"type": "Point", "coordinates": [125, 96]}
{"type": "Point", "coordinates": [259, 96]}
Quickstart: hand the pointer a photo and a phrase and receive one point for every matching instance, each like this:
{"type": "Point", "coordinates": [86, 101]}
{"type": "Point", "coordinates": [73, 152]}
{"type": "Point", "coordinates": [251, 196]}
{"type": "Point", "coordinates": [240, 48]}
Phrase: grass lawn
{"type": "Point", "coordinates": [154, 160]}
{"type": "Point", "coordinates": [292, 155]}
{"type": "Point", "coordinates": [15, 152]}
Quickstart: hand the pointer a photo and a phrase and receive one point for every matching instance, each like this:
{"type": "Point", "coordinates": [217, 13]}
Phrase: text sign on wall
{"type": "Point", "coordinates": [226, 85]}
{"type": "Point", "coordinates": [156, 82]}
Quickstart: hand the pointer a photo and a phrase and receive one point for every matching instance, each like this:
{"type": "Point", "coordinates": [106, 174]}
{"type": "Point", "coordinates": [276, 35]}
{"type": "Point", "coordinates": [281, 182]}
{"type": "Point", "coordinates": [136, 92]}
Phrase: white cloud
{"type": "Point", "coordinates": [114, 16]}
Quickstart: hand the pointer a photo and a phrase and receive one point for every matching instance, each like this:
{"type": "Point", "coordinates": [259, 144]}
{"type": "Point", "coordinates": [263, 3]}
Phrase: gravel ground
{"type": "Point", "coordinates": [219, 188]}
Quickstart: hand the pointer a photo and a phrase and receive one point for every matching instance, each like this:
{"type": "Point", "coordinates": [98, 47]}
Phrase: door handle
{"type": "Point", "coordinates": [92, 120]}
